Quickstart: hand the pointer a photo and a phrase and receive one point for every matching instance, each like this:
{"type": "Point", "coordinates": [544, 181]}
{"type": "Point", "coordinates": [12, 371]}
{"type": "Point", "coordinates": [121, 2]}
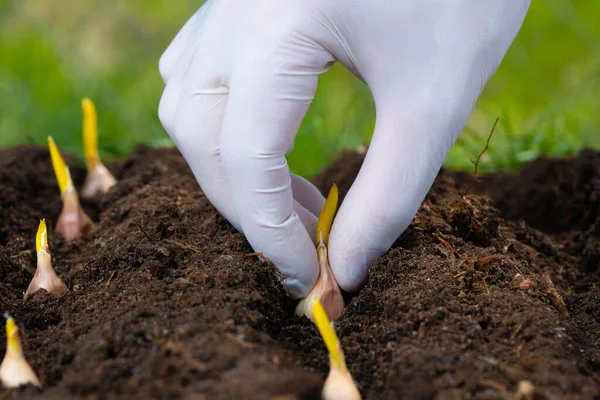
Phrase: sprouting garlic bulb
{"type": "Point", "coordinates": [72, 221]}
{"type": "Point", "coordinates": [326, 290]}
{"type": "Point", "coordinates": [45, 277]}
{"type": "Point", "coordinates": [99, 179]}
{"type": "Point", "coordinates": [339, 384]}
{"type": "Point", "coordinates": [15, 370]}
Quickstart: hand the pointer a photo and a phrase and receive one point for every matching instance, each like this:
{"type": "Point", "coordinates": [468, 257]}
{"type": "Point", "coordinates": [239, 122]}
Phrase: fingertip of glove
{"type": "Point", "coordinates": [351, 267]}
{"type": "Point", "coordinates": [165, 67]}
{"type": "Point", "coordinates": [301, 284]}
{"type": "Point", "coordinates": [294, 288]}
{"type": "Point", "coordinates": [301, 276]}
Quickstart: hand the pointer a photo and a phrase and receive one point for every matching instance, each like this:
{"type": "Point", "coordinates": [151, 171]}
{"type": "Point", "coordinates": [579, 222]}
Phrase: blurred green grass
{"type": "Point", "coordinates": [53, 53]}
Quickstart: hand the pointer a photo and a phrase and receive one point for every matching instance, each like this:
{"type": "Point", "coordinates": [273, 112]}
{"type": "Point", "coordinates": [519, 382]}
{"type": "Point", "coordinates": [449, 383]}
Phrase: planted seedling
{"type": "Point", "coordinates": [73, 221]}
{"type": "Point", "coordinates": [45, 277]}
{"type": "Point", "coordinates": [326, 290]}
{"type": "Point", "coordinates": [339, 384]}
{"type": "Point", "coordinates": [15, 370]}
{"type": "Point", "coordinates": [99, 179]}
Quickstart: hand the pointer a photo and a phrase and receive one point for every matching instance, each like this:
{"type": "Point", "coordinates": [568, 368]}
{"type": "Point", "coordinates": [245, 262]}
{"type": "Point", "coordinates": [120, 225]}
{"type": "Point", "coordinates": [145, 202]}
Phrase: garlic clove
{"type": "Point", "coordinates": [73, 221]}
{"type": "Point", "coordinates": [339, 384]}
{"type": "Point", "coordinates": [15, 370]}
{"type": "Point", "coordinates": [326, 289]}
{"type": "Point", "coordinates": [45, 277]}
{"type": "Point", "coordinates": [99, 179]}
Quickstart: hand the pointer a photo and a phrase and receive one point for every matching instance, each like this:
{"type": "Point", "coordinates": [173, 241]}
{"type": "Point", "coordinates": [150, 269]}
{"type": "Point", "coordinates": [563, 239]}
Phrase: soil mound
{"type": "Point", "coordinates": [167, 300]}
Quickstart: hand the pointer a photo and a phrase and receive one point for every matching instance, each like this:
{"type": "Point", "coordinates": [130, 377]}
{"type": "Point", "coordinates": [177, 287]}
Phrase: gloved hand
{"type": "Point", "coordinates": [241, 74]}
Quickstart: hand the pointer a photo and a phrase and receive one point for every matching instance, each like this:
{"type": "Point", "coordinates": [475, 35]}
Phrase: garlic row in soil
{"type": "Point", "coordinates": [72, 222]}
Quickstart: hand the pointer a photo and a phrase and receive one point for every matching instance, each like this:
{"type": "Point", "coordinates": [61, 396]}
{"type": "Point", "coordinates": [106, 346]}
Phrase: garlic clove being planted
{"type": "Point", "coordinates": [72, 221]}
{"type": "Point", "coordinates": [339, 384]}
{"type": "Point", "coordinates": [15, 370]}
{"type": "Point", "coordinates": [326, 290]}
{"type": "Point", "coordinates": [45, 277]}
{"type": "Point", "coordinates": [99, 179]}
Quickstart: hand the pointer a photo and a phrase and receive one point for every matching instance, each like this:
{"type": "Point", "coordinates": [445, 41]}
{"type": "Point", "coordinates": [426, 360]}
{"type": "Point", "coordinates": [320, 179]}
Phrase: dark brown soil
{"type": "Point", "coordinates": [167, 300]}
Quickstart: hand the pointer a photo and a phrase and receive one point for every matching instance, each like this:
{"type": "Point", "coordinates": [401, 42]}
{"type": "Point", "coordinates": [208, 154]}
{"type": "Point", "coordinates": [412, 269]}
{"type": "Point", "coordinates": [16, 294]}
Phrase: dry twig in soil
{"type": "Point", "coordinates": [478, 159]}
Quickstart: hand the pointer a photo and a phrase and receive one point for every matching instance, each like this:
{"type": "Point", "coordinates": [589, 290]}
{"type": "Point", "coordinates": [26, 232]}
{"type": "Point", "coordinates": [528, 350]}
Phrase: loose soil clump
{"type": "Point", "coordinates": [484, 293]}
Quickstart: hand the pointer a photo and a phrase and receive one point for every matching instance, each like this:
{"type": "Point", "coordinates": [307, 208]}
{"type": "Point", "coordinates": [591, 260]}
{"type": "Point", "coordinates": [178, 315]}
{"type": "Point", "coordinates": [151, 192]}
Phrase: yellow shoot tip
{"type": "Point", "coordinates": [90, 134]}
{"type": "Point", "coordinates": [326, 216]}
{"type": "Point", "coordinates": [12, 333]}
{"type": "Point", "coordinates": [41, 239]}
{"type": "Point", "coordinates": [63, 176]}
{"type": "Point", "coordinates": [328, 334]}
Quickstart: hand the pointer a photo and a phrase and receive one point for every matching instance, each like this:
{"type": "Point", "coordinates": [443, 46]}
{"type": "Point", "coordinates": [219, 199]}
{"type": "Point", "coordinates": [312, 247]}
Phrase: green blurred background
{"type": "Point", "coordinates": [52, 53]}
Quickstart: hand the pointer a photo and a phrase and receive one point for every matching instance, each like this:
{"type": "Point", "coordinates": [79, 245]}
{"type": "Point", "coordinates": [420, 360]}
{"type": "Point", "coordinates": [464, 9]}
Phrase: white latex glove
{"type": "Point", "coordinates": [241, 74]}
